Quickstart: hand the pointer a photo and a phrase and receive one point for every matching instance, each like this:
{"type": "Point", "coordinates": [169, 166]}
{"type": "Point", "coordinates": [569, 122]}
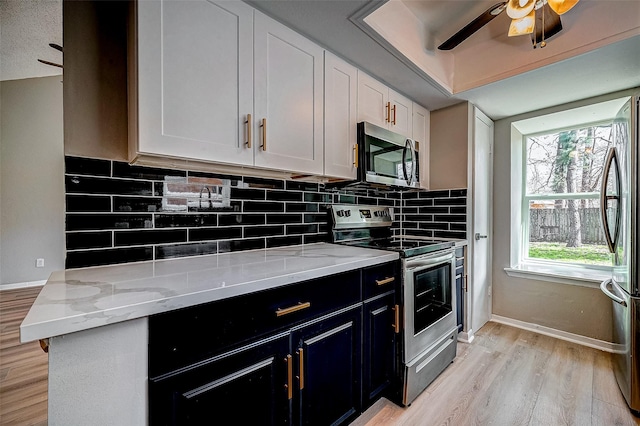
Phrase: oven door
{"type": "Point", "coordinates": [429, 300]}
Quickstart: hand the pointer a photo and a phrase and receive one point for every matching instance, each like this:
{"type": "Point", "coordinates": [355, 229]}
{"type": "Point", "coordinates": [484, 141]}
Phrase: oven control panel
{"type": "Point", "coordinates": [347, 216]}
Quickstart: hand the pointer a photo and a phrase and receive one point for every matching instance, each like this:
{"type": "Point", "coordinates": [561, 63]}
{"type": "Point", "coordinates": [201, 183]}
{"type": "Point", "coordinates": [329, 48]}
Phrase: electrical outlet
{"type": "Point", "coordinates": [40, 263]}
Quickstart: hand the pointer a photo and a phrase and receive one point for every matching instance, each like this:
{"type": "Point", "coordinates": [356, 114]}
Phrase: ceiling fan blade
{"type": "Point", "coordinates": [473, 26]}
{"type": "Point", "coordinates": [552, 25]}
{"type": "Point", "coordinates": [56, 46]}
{"type": "Point", "coordinates": [49, 63]}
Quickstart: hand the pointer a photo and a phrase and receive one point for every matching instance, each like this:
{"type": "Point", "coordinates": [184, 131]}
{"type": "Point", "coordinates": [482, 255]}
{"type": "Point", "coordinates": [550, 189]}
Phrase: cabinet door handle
{"type": "Point", "coordinates": [466, 283]}
{"type": "Point", "coordinates": [301, 376]}
{"type": "Point", "coordinates": [388, 112]}
{"type": "Point", "coordinates": [385, 281]}
{"type": "Point", "coordinates": [264, 134]}
{"type": "Point", "coordinates": [289, 385]}
{"type": "Point", "coordinates": [394, 115]}
{"type": "Point", "coordinates": [248, 123]}
{"type": "Point", "coordinates": [355, 156]}
{"type": "Point", "coordinates": [300, 306]}
{"type": "Point", "coordinates": [396, 325]}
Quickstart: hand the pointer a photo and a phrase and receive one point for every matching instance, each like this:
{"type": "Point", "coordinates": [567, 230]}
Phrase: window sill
{"type": "Point", "coordinates": [564, 275]}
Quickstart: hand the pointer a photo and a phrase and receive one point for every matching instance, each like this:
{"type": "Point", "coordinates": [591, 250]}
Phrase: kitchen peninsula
{"type": "Point", "coordinates": [96, 320]}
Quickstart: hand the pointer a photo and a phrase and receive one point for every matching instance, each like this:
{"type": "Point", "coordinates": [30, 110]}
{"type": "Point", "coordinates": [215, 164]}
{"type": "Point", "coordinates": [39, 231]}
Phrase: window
{"type": "Point", "coordinates": [561, 196]}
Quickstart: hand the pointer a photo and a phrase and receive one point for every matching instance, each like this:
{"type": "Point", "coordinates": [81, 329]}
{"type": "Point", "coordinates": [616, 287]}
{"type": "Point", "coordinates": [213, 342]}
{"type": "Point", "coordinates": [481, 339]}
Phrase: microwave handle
{"type": "Point", "coordinates": [408, 145]}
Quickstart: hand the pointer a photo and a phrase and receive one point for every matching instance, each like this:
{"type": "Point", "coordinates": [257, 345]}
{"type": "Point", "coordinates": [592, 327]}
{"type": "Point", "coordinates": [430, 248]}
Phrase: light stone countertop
{"type": "Point", "coordinates": [81, 299]}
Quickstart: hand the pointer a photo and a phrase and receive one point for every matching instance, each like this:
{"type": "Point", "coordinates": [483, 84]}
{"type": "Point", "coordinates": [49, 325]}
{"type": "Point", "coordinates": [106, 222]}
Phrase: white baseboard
{"type": "Point", "coordinates": [466, 336]}
{"type": "Point", "coordinates": [558, 334]}
{"type": "Point", "coordinates": [25, 284]}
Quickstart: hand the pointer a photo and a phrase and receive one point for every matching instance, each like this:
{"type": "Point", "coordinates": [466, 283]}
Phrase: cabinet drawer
{"type": "Point", "coordinates": [460, 252]}
{"type": "Point", "coordinates": [183, 337]}
{"type": "Point", "coordinates": [380, 279]}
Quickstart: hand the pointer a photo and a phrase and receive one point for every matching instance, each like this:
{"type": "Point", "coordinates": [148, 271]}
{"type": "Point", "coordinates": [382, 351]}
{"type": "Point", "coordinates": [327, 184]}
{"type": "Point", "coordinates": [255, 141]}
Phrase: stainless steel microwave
{"type": "Point", "coordinates": [387, 158]}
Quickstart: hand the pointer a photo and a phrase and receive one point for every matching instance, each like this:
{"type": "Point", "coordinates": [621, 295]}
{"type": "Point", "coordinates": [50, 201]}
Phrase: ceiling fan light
{"type": "Point", "coordinates": [517, 9]}
{"type": "Point", "coordinates": [561, 6]}
{"type": "Point", "coordinates": [523, 26]}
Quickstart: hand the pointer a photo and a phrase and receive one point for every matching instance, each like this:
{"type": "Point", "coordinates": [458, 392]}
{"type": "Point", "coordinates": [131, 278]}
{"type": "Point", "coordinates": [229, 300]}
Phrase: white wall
{"type": "Point", "coordinates": [31, 179]}
{"type": "Point", "coordinates": [574, 309]}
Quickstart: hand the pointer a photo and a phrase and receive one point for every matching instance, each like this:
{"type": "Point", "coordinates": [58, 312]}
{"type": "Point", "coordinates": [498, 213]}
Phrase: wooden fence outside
{"type": "Point", "coordinates": [552, 225]}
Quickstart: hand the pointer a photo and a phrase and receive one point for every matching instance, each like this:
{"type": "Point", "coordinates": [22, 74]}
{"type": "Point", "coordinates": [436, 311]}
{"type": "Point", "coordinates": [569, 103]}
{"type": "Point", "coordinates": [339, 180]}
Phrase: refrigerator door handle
{"type": "Point", "coordinates": [604, 286]}
{"type": "Point", "coordinates": [611, 239]}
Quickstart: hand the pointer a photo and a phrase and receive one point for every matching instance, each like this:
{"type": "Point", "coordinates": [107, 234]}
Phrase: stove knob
{"type": "Point", "coordinates": [347, 213]}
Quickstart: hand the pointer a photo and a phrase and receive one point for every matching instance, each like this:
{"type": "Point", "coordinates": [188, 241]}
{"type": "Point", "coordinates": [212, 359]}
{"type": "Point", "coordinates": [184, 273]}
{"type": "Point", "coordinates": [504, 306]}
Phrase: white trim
{"type": "Point", "coordinates": [588, 278]}
{"type": "Point", "coordinates": [466, 336]}
{"type": "Point", "coordinates": [558, 334]}
{"type": "Point", "coordinates": [25, 284]}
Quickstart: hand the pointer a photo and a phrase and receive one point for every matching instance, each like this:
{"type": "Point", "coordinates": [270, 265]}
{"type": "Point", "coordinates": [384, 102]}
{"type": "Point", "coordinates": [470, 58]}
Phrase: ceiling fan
{"type": "Point", "coordinates": [53, 64]}
{"type": "Point", "coordinates": [540, 18]}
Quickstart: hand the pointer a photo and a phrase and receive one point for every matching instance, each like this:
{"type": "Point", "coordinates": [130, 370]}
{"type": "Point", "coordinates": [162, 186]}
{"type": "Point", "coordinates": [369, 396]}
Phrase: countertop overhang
{"type": "Point", "coordinates": [81, 299]}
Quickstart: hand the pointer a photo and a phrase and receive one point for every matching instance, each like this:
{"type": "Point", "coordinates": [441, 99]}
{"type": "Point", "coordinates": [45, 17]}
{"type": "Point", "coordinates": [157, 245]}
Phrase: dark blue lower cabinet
{"type": "Point", "coordinates": [248, 386]}
{"type": "Point", "coordinates": [328, 370]}
{"type": "Point", "coordinates": [379, 360]}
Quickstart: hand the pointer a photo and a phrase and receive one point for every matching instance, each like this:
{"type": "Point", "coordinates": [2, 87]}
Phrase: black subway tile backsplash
{"type": "Point", "coordinates": [80, 259]}
{"type": "Point", "coordinates": [94, 185]}
{"type": "Point", "coordinates": [134, 238]}
{"type": "Point", "coordinates": [87, 166]}
{"type": "Point", "coordinates": [87, 240]}
{"type": "Point", "coordinates": [120, 213]}
{"type": "Point", "coordinates": [88, 203]}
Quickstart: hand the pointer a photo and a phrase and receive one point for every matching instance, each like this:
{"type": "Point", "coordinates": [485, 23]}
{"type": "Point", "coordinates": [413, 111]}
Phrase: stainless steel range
{"type": "Point", "coordinates": [428, 294]}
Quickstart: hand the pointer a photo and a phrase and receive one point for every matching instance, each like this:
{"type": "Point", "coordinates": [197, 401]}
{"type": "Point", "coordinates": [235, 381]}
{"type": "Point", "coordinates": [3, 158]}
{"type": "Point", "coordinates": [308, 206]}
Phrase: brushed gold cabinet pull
{"type": "Point", "coordinates": [396, 325]}
{"type": "Point", "coordinates": [264, 134]}
{"type": "Point", "coordinates": [289, 384]}
{"type": "Point", "coordinates": [300, 306]}
{"type": "Point", "coordinates": [394, 115]}
{"type": "Point", "coordinates": [355, 156]}
{"type": "Point", "coordinates": [385, 281]}
{"type": "Point", "coordinates": [301, 377]}
{"type": "Point", "coordinates": [388, 112]}
{"type": "Point", "coordinates": [248, 123]}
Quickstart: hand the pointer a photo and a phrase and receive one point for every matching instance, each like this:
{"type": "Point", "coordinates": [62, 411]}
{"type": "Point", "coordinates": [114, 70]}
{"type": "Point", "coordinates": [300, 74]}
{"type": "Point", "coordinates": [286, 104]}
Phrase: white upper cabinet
{"type": "Point", "coordinates": [383, 107]}
{"type": "Point", "coordinates": [421, 117]}
{"type": "Point", "coordinates": [194, 80]}
{"type": "Point", "coordinates": [288, 99]}
{"type": "Point", "coordinates": [340, 121]}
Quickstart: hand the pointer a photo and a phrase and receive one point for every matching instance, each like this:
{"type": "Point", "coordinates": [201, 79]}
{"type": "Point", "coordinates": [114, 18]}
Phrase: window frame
{"type": "Point", "coordinates": [523, 266]}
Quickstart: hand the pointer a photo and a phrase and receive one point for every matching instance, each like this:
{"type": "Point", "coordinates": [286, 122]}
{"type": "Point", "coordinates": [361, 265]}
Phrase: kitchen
{"type": "Point", "coordinates": [587, 297]}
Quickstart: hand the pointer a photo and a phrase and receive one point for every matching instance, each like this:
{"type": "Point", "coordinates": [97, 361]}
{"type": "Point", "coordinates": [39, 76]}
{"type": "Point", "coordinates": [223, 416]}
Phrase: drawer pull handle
{"type": "Point", "coordinates": [396, 325]}
{"type": "Point", "coordinates": [385, 281]}
{"type": "Point", "coordinates": [301, 377]}
{"type": "Point", "coordinates": [289, 384]}
{"type": "Point", "coordinates": [300, 306]}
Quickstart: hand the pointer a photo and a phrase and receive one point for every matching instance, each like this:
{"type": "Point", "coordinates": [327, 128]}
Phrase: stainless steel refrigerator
{"type": "Point", "coordinates": [619, 211]}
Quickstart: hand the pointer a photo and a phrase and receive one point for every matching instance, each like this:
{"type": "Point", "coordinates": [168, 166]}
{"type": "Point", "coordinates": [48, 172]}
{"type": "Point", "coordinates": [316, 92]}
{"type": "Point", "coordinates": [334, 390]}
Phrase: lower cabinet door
{"type": "Point", "coordinates": [248, 386]}
{"type": "Point", "coordinates": [379, 348]}
{"type": "Point", "coordinates": [327, 364]}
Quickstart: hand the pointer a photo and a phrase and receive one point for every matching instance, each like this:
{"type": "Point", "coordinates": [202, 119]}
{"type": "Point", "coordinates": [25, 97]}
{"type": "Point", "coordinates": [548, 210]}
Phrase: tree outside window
{"type": "Point", "coordinates": [562, 190]}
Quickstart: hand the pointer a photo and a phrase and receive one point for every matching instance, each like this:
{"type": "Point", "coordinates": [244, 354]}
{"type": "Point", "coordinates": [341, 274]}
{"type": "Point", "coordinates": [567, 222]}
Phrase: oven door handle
{"type": "Point", "coordinates": [426, 263]}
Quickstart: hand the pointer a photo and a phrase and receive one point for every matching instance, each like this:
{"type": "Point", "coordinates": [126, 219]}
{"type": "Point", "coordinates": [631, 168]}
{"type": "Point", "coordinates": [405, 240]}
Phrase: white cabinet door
{"type": "Point", "coordinates": [420, 127]}
{"type": "Point", "coordinates": [373, 101]}
{"type": "Point", "coordinates": [288, 97]}
{"type": "Point", "coordinates": [195, 79]}
{"type": "Point", "coordinates": [340, 121]}
{"type": "Point", "coordinates": [401, 120]}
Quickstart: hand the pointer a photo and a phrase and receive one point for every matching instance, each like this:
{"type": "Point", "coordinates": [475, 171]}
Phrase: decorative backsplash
{"type": "Point", "coordinates": [117, 213]}
{"type": "Point", "coordinates": [438, 214]}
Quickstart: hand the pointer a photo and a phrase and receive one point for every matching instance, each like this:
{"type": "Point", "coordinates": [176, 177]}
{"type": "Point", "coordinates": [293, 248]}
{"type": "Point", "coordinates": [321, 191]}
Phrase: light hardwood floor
{"type": "Point", "coordinates": [509, 376]}
{"type": "Point", "coordinates": [505, 377]}
{"type": "Point", "coordinates": [23, 368]}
